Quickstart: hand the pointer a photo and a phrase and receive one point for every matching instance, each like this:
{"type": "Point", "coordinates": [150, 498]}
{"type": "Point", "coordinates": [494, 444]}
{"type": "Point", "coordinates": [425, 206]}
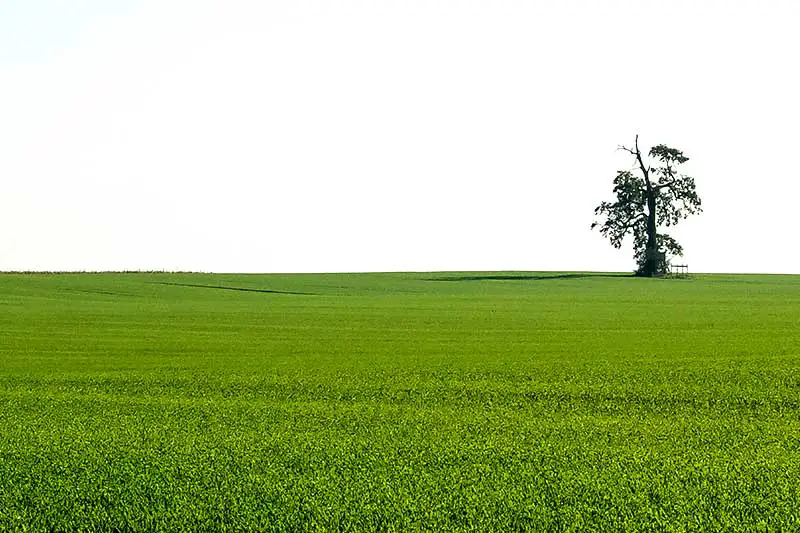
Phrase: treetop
{"type": "Point", "coordinates": [665, 154]}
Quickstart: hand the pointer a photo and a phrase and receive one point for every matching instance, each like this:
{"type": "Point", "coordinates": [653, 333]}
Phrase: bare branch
{"type": "Point", "coordinates": [645, 170]}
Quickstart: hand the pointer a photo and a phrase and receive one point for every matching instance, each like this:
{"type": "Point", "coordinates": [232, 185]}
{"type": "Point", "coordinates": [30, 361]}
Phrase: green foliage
{"type": "Point", "coordinates": [655, 196]}
{"type": "Point", "coordinates": [627, 214]}
{"type": "Point", "coordinates": [399, 402]}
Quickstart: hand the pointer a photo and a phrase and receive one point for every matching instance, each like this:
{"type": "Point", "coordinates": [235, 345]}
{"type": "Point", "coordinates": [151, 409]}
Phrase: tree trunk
{"type": "Point", "coordinates": [650, 267]}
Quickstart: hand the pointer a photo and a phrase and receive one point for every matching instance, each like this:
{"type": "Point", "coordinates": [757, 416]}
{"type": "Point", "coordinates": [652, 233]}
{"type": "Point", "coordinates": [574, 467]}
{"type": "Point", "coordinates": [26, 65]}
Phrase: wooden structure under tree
{"type": "Point", "coordinates": [679, 271]}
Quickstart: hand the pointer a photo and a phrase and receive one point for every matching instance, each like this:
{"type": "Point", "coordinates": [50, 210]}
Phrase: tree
{"type": "Point", "coordinates": [649, 197]}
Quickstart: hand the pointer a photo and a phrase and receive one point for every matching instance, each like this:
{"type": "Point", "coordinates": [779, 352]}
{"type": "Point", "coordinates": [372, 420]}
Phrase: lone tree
{"type": "Point", "coordinates": [649, 197]}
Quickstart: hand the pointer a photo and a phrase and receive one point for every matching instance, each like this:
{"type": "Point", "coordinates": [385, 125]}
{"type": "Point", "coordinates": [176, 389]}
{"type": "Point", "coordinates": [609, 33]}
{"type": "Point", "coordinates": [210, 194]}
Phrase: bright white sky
{"type": "Point", "coordinates": [360, 135]}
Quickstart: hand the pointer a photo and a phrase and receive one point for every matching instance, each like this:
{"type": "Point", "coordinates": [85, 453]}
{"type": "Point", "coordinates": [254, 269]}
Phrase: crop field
{"type": "Point", "coordinates": [510, 401]}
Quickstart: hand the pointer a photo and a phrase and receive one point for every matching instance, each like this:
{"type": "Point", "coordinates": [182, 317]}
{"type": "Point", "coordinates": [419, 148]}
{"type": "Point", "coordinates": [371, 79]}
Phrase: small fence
{"type": "Point", "coordinates": [679, 271]}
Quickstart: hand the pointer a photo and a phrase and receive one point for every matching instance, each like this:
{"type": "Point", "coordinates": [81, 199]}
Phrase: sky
{"type": "Point", "coordinates": [377, 135]}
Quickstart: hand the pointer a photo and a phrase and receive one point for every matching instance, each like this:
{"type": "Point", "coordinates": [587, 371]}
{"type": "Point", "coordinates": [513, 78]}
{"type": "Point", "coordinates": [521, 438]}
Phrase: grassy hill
{"type": "Point", "coordinates": [399, 402]}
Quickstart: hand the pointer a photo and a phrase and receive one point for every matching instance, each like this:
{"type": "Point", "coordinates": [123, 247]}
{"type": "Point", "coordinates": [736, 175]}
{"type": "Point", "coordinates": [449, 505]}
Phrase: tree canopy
{"type": "Point", "coordinates": [649, 196]}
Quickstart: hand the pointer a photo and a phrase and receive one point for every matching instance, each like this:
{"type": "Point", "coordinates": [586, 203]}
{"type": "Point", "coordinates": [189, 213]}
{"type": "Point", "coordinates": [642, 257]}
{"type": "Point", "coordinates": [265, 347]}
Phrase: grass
{"type": "Point", "coordinates": [399, 402]}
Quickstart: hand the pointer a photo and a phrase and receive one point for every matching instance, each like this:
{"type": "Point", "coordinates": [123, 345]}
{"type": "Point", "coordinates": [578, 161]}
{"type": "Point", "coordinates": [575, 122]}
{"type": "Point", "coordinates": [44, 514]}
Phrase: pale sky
{"type": "Point", "coordinates": [377, 135]}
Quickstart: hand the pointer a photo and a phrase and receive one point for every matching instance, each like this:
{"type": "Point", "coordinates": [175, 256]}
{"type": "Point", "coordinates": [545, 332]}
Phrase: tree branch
{"type": "Point", "coordinates": [631, 221]}
{"type": "Point", "coordinates": [645, 170]}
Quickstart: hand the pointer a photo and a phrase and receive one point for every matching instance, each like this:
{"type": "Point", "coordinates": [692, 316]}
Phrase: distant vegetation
{"type": "Point", "coordinates": [399, 402]}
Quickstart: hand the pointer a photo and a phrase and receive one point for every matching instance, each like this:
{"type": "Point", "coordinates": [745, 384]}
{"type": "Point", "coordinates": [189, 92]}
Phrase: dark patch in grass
{"type": "Point", "coordinates": [527, 277]}
{"type": "Point", "coordinates": [241, 289]}
{"type": "Point", "coordinates": [98, 291]}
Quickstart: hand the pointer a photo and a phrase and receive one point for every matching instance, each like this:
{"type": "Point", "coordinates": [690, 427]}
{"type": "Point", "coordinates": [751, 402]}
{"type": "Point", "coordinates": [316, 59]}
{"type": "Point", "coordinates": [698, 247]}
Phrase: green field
{"type": "Point", "coordinates": [399, 402]}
